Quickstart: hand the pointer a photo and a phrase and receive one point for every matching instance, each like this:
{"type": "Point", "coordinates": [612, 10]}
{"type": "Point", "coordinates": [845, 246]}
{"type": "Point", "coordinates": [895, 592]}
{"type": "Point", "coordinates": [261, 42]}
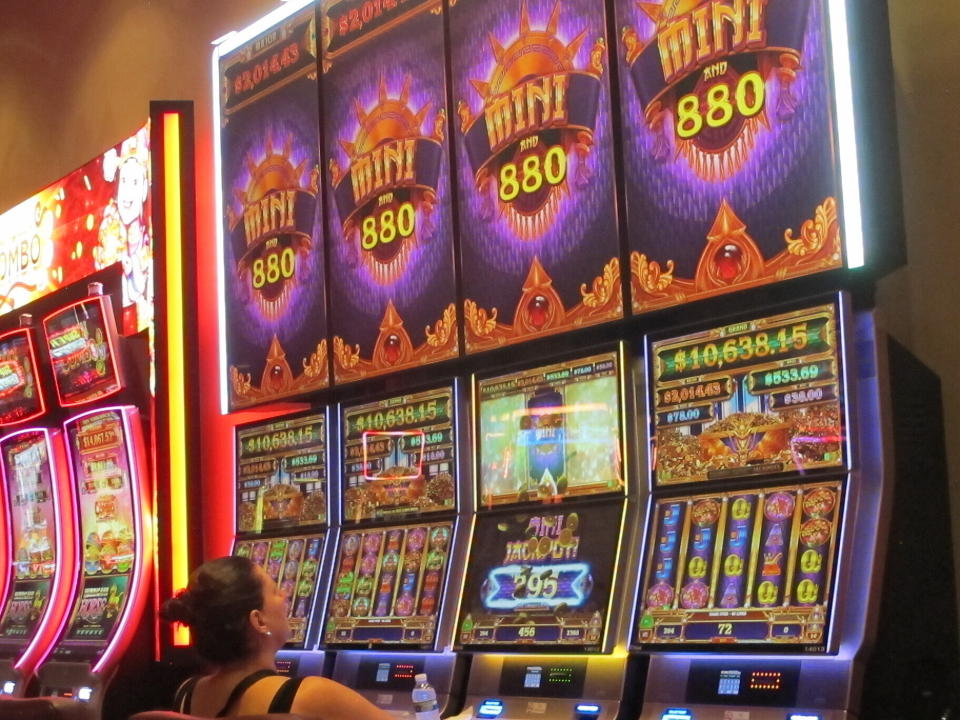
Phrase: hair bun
{"type": "Point", "coordinates": [179, 608]}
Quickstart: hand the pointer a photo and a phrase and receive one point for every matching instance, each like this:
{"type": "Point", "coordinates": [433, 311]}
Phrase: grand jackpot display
{"type": "Point", "coordinates": [759, 397]}
{"type": "Point", "coordinates": [729, 148]}
{"type": "Point", "coordinates": [389, 198]}
{"type": "Point", "coordinates": [535, 174]}
{"type": "Point", "coordinates": [272, 239]}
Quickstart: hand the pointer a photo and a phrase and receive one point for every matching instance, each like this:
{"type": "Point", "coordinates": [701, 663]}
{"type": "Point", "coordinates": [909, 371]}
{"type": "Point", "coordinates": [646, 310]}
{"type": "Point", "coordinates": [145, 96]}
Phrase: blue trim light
{"type": "Point", "coordinates": [490, 708]}
{"type": "Point", "coordinates": [676, 714]}
{"type": "Point", "coordinates": [802, 716]}
{"type": "Point", "coordinates": [588, 709]}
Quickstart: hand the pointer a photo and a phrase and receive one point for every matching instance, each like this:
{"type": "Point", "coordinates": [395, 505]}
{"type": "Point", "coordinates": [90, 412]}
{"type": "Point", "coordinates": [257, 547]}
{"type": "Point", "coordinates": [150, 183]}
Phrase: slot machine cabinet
{"type": "Point", "coordinates": [806, 656]}
{"type": "Point", "coordinates": [39, 537]}
{"type": "Point", "coordinates": [405, 520]}
{"type": "Point", "coordinates": [283, 520]}
{"type": "Point", "coordinates": [552, 544]}
{"type": "Point", "coordinates": [114, 547]}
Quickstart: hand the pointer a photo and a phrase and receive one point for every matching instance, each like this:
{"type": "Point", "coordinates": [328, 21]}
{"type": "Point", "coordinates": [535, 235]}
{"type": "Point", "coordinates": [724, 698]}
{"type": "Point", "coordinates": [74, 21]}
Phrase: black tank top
{"type": "Point", "coordinates": [281, 703]}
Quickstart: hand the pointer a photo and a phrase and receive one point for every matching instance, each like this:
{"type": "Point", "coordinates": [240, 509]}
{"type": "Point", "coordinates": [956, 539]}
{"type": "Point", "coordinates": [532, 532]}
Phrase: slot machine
{"type": "Point", "coordinates": [114, 548]}
{"type": "Point", "coordinates": [771, 496]}
{"type": "Point", "coordinates": [283, 519]}
{"type": "Point", "coordinates": [39, 537]}
{"type": "Point", "coordinates": [405, 519]}
{"type": "Point", "coordinates": [549, 553]}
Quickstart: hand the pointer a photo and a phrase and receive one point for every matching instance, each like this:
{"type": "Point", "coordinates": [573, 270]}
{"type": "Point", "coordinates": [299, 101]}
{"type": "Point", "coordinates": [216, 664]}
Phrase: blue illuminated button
{"type": "Point", "coordinates": [490, 708]}
{"type": "Point", "coordinates": [8, 687]}
{"type": "Point", "coordinates": [802, 716]}
{"type": "Point", "coordinates": [677, 714]}
{"type": "Point", "coordinates": [588, 709]}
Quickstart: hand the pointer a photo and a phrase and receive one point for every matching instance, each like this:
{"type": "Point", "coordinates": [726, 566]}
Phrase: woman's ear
{"type": "Point", "coordinates": [257, 622]}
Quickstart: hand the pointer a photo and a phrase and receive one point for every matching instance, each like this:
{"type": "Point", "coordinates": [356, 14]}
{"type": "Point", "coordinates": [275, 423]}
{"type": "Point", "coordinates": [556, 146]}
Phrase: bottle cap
{"type": "Point", "coordinates": [420, 677]}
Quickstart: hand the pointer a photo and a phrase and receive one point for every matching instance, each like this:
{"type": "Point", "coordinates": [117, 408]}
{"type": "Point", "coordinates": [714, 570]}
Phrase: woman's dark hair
{"type": "Point", "coordinates": [216, 607]}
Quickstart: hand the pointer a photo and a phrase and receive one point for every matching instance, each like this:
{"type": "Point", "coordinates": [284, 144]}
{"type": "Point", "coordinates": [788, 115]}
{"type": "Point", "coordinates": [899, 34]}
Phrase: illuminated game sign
{"type": "Point", "coordinates": [96, 216]}
{"type": "Point", "coordinates": [293, 563]}
{"type": "Point", "coordinates": [551, 432]}
{"type": "Point", "coordinates": [387, 161]}
{"type": "Point", "coordinates": [750, 567]}
{"type": "Point", "coordinates": [104, 469]}
{"type": "Point", "coordinates": [28, 472]}
{"type": "Point", "coordinates": [272, 240]}
{"type": "Point", "coordinates": [82, 345]}
{"type": "Point", "coordinates": [388, 585]}
{"type": "Point", "coordinates": [541, 577]}
{"type": "Point", "coordinates": [536, 194]}
{"type": "Point", "coordinates": [399, 456]}
{"type": "Point", "coordinates": [729, 145]}
{"type": "Point", "coordinates": [282, 474]}
{"type": "Point", "coordinates": [752, 398]}
{"type": "Point", "coordinates": [21, 396]}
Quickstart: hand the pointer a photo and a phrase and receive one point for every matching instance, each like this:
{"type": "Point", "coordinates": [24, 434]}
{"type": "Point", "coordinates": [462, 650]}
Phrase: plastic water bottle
{"type": "Point", "coordinates": [424, 699]}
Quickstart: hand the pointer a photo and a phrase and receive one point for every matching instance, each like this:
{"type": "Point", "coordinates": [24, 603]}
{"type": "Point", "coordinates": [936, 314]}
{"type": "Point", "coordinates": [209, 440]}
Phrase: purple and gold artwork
{"type": "Point", "coordinates": [390, 220]}
{"type": "Point", "coordinates": [272, 228]}
{"type": "Point", "coordinates": [729, 146]}
{"type": "Point", "coordinates": [535, 175]}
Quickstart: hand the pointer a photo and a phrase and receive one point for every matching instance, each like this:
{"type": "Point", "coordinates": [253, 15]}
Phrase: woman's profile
{"type": "Point", "coordinates": [238, 621]}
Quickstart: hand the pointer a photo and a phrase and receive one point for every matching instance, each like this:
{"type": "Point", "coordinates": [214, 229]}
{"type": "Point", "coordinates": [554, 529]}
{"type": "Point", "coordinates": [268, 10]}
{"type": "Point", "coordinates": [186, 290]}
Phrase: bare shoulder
{"type": "Point", "coordinates": [329, 700]}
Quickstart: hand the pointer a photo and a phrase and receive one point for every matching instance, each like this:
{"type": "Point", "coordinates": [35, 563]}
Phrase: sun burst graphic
{"type": "Point", "coordinates": [535, 52]}
{"type": "Point", "coordinates": [274, 172]}
{"type": "Point", "coordinates": [711, 161]}
{"type": "Point", "coordinates": [389, 120]}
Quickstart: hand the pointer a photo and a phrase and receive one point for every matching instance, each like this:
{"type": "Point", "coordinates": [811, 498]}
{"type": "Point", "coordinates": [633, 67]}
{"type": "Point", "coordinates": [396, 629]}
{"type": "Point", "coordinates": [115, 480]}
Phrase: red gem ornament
{"type": "Point", "coordinates": [391, 348]}
{"type": "Point", "coordinates": [538, 309]}
{"type": "Point", "coordinates": [729, 262]}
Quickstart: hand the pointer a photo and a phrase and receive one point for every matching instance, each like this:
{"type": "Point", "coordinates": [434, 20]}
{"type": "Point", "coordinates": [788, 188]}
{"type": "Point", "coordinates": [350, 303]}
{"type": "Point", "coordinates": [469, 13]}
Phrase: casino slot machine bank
{"type": "Point", "coordinates": [550, 555]}
{"type": "Point", "coordinates": [403, 539]}
{"type": "Point", "coordinates": [772, 492]}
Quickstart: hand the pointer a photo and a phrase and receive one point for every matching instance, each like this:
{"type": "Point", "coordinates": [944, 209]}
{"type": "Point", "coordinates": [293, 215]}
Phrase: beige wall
{"type": "Point", "coordinates": [77, 75]}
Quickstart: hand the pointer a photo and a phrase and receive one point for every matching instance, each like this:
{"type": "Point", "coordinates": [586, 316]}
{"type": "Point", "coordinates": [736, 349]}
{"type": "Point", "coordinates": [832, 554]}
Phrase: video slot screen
{"type": "Point", "coordinates": [760, 397]}
{"type": "Point", "coordinates": [104, 470]}
{"type": "Point", "coordinates": [400, 456]}
{"type": "Point", "coordinates": [81, 342]}
{"type": "Point", "coordinates": [541, 577]}
{"type": "Point", "coordinates": [28, 472]}
{"type": "Point", "coordinates": [282, 474]}
{"type": "Point", "coordinates": [21, 396]}
{"type": "Point", "coordinates": [551, 432]}
{"type": "Point", "coordinates": [388, 585]}
{"type": "Point", "coordinates": [293, 563]}
{"type": "Point", "coordinates": [742, 568]}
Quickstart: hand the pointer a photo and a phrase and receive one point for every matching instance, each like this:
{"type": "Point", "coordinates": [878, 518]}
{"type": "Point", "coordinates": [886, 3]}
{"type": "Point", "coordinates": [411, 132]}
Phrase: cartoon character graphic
{"type": "Point", "coordinates": [125, 231]}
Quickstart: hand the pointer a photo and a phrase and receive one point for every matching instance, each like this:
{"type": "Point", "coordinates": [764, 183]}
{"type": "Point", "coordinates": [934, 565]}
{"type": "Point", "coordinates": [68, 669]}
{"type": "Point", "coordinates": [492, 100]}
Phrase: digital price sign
{"type": "Point", "coordinates": [541, 577]}
{"type": "Point", "coordinates": [399, 456]}
{"type": "Point", "coordinates": [282, 473]}
{"type": "Point", "coordinates": [21, 395]}
{"type": "Point", "coordinates": [551, 432]}
{"type": "Point", "coordinates": [759, 397]}
{"type": "Point", "coordinates": [82, 344]}
{"type": "Point", "coordinates": [388, 585]}
{"type": "Point", "coordinates": [743, 568]}
{"type": "Point", "coordinates": [293, 563]}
